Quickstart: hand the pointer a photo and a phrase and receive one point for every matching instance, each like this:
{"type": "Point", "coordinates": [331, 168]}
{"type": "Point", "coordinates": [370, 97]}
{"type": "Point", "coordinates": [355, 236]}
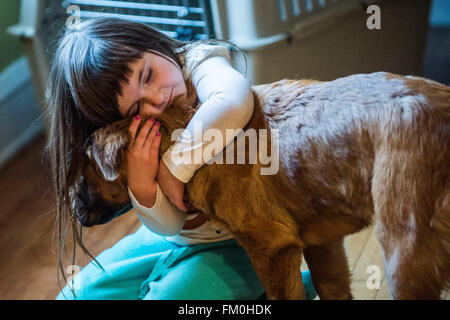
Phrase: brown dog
{"type": "Point", "coordinates": [360, 148]}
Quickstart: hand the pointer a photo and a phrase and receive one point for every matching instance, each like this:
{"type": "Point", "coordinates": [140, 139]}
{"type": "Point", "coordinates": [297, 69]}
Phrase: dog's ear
{"type": "Point", "coordinates": [105, 149]}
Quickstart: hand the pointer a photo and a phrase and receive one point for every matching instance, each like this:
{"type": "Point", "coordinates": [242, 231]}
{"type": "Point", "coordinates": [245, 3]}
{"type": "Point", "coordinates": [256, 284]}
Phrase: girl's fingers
{"type": "Point", "coordinates": [143, 133]}
{"type": "Point", "coordinates": [151, 136]}
{"type": "Point", "coordinates": [133, 129]}
{"type": "Point", "coordinates": [154, 149]}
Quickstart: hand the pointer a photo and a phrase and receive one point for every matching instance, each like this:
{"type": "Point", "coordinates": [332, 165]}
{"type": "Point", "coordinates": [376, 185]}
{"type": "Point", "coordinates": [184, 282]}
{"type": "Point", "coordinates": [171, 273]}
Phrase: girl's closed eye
{"type": "Point", "coordinates": [137, 109]}
{"type": "Point", "coordinates": [149, 76]}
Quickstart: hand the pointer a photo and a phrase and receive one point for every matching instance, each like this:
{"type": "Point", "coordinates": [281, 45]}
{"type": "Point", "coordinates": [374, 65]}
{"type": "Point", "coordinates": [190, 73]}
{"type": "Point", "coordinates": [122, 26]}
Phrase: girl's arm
{"type": "Point", "coordinates": [142, 165]}
{"type": "Point", "coordinates": [227, 103]}
{"type": "Point", "coordinates": [163, 217]}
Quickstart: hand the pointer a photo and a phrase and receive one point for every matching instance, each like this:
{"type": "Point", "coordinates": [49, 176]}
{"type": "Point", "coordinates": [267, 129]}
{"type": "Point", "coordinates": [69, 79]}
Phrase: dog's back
{"type": "Point", "coordinates": [371, 144]}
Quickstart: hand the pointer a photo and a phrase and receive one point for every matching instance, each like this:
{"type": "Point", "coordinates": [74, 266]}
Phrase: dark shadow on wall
{"type": "Point", "coordinates": [436, 64]}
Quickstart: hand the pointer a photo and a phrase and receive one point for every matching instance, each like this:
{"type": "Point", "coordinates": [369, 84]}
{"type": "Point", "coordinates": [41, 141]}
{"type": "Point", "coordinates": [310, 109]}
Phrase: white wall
{"type": "Point", "coordinates": [20, 114]}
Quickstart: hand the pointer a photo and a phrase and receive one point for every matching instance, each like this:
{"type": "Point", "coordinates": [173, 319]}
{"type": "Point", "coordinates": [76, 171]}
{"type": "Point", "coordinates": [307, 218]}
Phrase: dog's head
{"type": "Point", "coordinates": [101, 191]}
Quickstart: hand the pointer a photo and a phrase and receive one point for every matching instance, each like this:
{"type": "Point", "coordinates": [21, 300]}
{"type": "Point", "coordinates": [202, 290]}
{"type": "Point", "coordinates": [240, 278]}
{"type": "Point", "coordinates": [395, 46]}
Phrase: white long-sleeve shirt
{"type": "Point", "coordinates": [226, 103]}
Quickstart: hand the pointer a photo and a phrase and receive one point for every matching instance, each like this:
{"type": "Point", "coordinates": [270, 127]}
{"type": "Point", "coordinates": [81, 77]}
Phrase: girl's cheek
{"type": "Point", "coordinates": [182, 89]}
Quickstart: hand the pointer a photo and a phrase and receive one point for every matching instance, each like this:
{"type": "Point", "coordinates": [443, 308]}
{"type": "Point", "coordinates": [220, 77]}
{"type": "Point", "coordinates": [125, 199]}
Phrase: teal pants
{"type": "Point", "coordinates": [145, 265]}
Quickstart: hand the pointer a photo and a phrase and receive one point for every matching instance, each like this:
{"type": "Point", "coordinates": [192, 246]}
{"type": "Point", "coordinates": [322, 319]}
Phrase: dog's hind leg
{"type": "Point", "coordinates": [329, 270]}
{"type": "Point", "coordinates": [416, 256]}
{"type": "Point", "coordinates": [413, 271]}
{"type": "Point", "coordinates": [411, 211]}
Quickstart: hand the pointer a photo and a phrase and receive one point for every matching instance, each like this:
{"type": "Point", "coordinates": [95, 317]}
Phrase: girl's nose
{"type": "Point", "coordinates": [154, 97]}
{"type": "Point", "coordinates": [158, 97]}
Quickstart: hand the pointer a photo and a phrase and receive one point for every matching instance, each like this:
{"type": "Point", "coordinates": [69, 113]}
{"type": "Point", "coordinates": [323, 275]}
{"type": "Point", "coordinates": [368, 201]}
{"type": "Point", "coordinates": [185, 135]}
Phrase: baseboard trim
{"type": "Point", "coordinates": [11, 150]}
{"type": "Point", "coordinates": [13, 77]}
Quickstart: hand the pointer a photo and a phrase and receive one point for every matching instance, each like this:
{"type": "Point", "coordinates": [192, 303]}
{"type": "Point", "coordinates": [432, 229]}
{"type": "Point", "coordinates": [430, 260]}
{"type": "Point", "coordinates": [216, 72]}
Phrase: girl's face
{"type": "Point", "coordinates": [155, 82]}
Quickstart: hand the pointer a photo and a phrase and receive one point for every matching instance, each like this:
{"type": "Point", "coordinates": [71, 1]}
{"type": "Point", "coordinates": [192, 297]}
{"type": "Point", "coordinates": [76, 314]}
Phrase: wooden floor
{"type": "Point", "coordinates": [28, 255]}
{"type": "Point", "coordinates": [27, 241]}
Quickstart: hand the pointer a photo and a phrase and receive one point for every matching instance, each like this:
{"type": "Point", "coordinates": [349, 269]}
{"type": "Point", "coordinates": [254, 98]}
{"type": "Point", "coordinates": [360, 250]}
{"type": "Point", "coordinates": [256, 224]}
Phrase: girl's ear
{"type": "Point", "coordinates": [105, 150]}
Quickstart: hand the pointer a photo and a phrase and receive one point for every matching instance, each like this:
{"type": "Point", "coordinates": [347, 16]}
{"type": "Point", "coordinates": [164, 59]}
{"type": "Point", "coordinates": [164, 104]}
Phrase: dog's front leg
{"type": "Point", "coordinates": [284, 268]}
{"type": "Point", "coordinates": [329, 270]}
{"type": "Point", "coordinates": [278, 270]}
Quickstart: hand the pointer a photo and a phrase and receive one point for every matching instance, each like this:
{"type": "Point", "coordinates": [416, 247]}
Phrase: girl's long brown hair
{"type": "Point", "coordinates": [90, 64]}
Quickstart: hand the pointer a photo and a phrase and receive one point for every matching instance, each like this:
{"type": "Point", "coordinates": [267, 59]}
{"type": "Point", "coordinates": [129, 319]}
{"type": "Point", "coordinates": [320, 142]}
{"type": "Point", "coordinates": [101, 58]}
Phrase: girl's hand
{"type": "Point", "coordinates": [142, 160]}
{"type": "Point", "coordinates": [171, 186]}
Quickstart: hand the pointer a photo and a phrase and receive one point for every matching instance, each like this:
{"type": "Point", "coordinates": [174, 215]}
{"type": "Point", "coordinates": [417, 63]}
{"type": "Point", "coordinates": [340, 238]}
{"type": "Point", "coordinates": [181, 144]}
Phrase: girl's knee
{"type": "Point", "coordinates": [206, 276]}
{"type": "Point", "coordinates": [191, 291]}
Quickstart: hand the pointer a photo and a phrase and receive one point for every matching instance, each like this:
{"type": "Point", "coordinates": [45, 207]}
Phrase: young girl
{"type": "Point", "coordinates": [108, 69]}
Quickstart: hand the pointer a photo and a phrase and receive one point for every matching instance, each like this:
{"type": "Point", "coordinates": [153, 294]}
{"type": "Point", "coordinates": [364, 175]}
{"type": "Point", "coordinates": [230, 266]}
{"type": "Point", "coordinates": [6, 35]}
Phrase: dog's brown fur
{"type": "Point", "coordinates": [360, 148]}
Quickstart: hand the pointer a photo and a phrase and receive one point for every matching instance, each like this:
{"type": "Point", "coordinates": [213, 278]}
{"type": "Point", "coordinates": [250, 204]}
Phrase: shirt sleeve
{"type": "Point", "coordinates": [226, 103]}
{"type": "Point", "coordinates": [163, 218]}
